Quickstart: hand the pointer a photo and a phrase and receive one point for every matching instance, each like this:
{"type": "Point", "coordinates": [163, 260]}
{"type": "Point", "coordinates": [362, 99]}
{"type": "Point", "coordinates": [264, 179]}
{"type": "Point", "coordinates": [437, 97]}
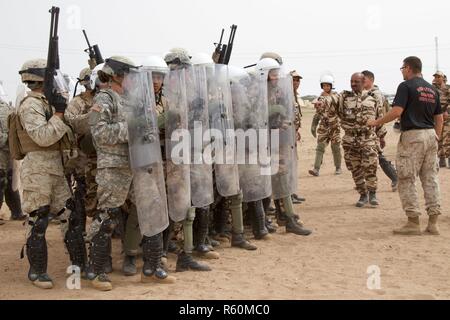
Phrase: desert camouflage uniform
{"type": "Point", "coordinates": [85, 167]}
{"type": "Point", "coordinates": [297, 112]}
{"type": "Point", "coordinates": [329, 130]}
{"type": "Point", "coordinates": [444, 143]}
{"type": "Point", "coordinates": [12, 197]}
{"type": "Point", "coordinates": [42, 173]}
{"type": "Point", "coordinates": [416, 156]}
{"type": "Point", "coordinates": [360, 143]}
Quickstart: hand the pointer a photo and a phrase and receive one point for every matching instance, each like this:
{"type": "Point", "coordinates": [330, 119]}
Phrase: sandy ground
{"type": "Point", "coordinates": [330, 264]}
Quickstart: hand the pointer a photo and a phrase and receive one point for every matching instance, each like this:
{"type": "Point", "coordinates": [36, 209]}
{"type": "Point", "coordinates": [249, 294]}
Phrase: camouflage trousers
{"type": "Point", "coordinates": [328, 134]}
{"type": "Point", "coordinates": [362, 161]}
{"type": "Point", "coordinates": [444, 143]}
{"type": "Point", "coordinates": [91, 200]}
{"type": "Point", "coordinates": [114, 188]}
{"type": "Point", "coordinates": [40, 190]}
{"type": "Point", "coordinates": [416, 157]}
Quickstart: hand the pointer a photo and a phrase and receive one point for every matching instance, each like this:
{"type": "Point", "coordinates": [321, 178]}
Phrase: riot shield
{"type": "Point", "coordinates": [224, 144]}
{"type": "Point", "coordinates": [177, 169]}
{"type": "Point", "coordinates": [250, 109]}
{"type": "Point", "coordinates": [281, 118]}
{"type": "Point", "coordinates": [202, 190]}
{"type": "Point", "coordinates": [145, 154]}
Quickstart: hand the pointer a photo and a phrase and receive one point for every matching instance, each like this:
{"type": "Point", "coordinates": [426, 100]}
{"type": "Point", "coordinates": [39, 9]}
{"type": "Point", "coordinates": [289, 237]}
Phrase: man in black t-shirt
{"type": "Point", "coordinates": [417, 104]}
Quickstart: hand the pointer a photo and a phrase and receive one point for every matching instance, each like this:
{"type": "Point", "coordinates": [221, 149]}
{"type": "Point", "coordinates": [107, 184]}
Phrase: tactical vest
{"type": "Point", "coordinates": [20, 143]}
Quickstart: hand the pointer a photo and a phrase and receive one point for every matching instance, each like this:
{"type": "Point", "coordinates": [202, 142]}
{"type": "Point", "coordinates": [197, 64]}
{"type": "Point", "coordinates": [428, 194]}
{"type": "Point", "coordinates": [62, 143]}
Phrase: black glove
{"type": "Point", "coordinates": [59, 103]}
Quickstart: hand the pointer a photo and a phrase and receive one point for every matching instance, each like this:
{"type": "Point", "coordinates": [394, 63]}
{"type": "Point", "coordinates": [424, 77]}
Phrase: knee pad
{"type": "Point", "coordinates": [39, 227]}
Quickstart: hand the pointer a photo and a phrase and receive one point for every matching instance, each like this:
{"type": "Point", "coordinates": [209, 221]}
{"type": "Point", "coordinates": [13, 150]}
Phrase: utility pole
{"type": "Point", "coordinates": [436, 40]}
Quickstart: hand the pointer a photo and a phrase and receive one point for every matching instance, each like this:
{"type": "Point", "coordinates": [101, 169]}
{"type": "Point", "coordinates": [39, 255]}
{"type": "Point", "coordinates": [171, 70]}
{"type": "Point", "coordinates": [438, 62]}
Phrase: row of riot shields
{"type": "Point", "coordinates": [217, 130]}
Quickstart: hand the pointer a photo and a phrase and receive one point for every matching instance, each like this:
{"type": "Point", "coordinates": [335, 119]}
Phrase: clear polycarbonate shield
{"type": "Point", "coordinates": [221, 120]}
{"type": "Point", "coordinates": [145, 153]}
{"type": "Point", "coordinates": [202, 189]}
{"type": "Point", "coordinates": [177, 144]}
{"type": "Point", "coordinates": [250, 108]}
{"type": "Point", "coordinates": [281, 118]}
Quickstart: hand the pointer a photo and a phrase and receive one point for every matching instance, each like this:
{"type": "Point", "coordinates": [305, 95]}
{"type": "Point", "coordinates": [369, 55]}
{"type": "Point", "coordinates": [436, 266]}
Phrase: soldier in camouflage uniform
{"type": "Point", "coordinates": [360, 143]}
{"type": "Point", "coordinates": [82, 169]}
{"type": "Point", "coordinates": [329, 128]}
{"type": "Point", "coordinates": [298, 103]}
{"type": "Point", "coordinates": [179, 58]}
{"type": "Point", "coordinates": [12, 197]}
{"type": "Point", "coordinates": [444, 142]}
{"type": "Point", "coordinates": [41, 133]}
{"type": "Point", "coordinates": [386, 165]}
{"type": "Point", "coordinates": [114, 177]}
{"type": "Point", "coordinates": [279, 120]}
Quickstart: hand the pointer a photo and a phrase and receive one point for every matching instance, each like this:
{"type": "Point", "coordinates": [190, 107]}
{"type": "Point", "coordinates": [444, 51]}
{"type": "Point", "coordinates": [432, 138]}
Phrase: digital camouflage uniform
{"type": "Point", "coordinates": [360, 143]}
{"type": "Point", "coordinates": [85, 167]}
{"type": "Point", "coordinates": [42, 173]}
{"type": "Point", "coordinates": [110, 136]}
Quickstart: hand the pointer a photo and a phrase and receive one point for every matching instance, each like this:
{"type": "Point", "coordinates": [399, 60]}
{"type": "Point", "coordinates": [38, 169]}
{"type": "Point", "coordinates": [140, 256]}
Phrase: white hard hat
{"type": "Point", "coordinates": [201, 58]}
{"type": "Point", "coordinates": [267, 64]}
{"type": "Point", "coordinates": [327, 78]}
{"type": "Point", "coordinates": [155, 63]}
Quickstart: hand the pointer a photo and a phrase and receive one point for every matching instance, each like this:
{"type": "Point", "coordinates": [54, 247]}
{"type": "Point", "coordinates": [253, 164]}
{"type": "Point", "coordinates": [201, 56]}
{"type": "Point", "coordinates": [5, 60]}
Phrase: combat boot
{"type": "Point", "coordinates": [153, 271]}
{"type": "Point", "coordinates": [185, 262]}
{"type": "Point", "coordinates": [270, 226]}
{"type": "Point", "coordinates": [101, 282]}
{"type": "Point", "coordinates": [338, 171]}
{"type": "Point", "coordinates": [296, 227]}
{"type": "Point", "coordinates": [442, 162]}
{"type": "Point", "coordinates": [314, 172]}
{"type": "Point", "coordinates": [412, 228]}
{"type": "Point", "coordinates": [363, 200]}
{"type": "Point", "coordinates": [448, 163]}
{"type": "Point", "coordinates": [221, 215]}
{"type": "Point", "coordinates": [2, 222]}
{"type": "Point", "coordinates": [238, 240]}
{"type": "Point", "coordinates": [432, 226]}
{"type": "Point", "coordinates": [260, 231]}
{"type": "Point", "coordinates": [373, 199]}
{"type": "Point", "coordinates": [129, 266]}
{"type": "Point", "coordinates": [200, 233]}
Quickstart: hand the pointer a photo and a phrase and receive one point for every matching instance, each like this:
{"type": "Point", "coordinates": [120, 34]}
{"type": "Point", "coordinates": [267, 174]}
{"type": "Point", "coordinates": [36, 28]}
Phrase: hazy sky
{"type": "Point", "coordinates": [312, 36]}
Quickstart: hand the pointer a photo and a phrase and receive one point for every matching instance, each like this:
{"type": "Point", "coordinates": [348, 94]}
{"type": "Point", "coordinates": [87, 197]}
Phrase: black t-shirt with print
{"type": "Point", "coordinates": [420, 102]}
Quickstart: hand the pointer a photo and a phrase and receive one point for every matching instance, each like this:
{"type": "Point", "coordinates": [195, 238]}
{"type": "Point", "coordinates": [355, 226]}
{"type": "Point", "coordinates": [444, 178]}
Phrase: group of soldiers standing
{"type": "Point", "coordinates": [112, 154]}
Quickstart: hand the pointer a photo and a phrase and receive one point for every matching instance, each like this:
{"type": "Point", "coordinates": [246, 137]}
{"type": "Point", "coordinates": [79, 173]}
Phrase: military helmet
{"type": "Point", "coordinates": [274, 56]}
{"type": "Point", "coordinates": [85, 76]}
{"type": "Point", "coordinates": [33, 70]}
{"type": "Point", "coordinates": [178, 57]}
{"type": "Point", "coordinates": [156, 64]}
{"type": "Point", "coordinates": [118, 65]}
{"type": "Point", "coordinates": [267, 64]}
{"type": "Point", "coordinates": [201, 58]}
{"type": "Point", "coordinates": [237, 74]}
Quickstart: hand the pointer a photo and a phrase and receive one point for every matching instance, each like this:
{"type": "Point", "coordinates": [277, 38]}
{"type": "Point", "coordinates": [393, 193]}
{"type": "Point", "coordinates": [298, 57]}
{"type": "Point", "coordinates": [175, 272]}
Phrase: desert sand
{"type": "Point", "coordinates": [330, 264]}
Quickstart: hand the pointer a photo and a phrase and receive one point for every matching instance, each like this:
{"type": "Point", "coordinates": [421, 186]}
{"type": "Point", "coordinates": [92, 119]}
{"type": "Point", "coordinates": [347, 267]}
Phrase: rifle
{"type": "Point", "coordinates": [54, 83]}
{"type": "Point", "coordinates": [223, 51]}
{"type": "Point", "coordinates": [95, 56]}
